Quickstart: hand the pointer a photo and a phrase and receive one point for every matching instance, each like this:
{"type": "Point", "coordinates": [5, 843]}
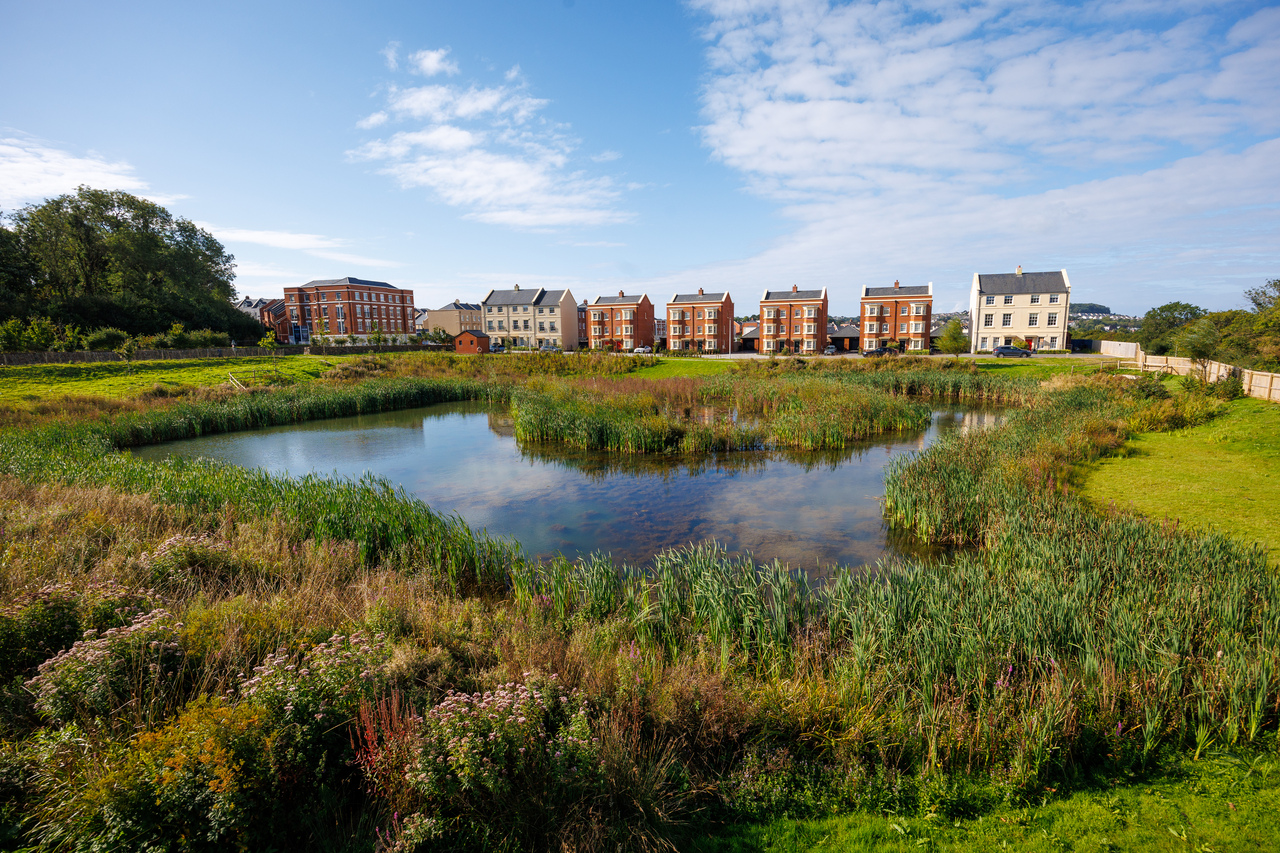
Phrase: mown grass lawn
{"type": "Point", "coordinates": [25, 384]}
{"type": "Point", "coordinates": [669, 367]}
{"type": "Point", "coordinates": [1225, 805]}
{"type": "Point", "coordinates": [1224, 474]}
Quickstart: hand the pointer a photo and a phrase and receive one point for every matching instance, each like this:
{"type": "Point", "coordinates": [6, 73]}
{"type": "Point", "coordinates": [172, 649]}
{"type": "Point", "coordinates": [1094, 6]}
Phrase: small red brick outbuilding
{"type": "Point", "coordinates": [471, 341]}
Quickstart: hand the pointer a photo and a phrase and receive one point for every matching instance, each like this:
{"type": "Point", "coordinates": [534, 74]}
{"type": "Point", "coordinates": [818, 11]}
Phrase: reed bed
{"type": "Point", "coordinates": [700, 415]}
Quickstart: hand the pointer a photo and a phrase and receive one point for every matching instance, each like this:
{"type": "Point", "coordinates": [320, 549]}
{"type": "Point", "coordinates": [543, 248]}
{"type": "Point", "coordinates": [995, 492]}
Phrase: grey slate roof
{"type": "Point", "coordinates": [910, 290]}
{"type": "Point", "coordinates": [455, 305]}
{"type": "Point", "coordinates": [784, 295]}
{"type": "Point", "coordinates": [849, 331]}
{"type": "Point", "coordinates": [513, 297]}
{"type": "Point", "coordinates": [618, 300]}
{"type": "Point", "coordinates": [476, 332]}
{"type": "Point", "coordinates": [694, 297]}
{"type": "Point", "coordinates": [350, 280]}
{"type": "Point", "coordinates": [550, 297]}
{"type": "Point", "coordinates": [751, 334]}
{"type": "Point", "coordinates": [1028, 282]}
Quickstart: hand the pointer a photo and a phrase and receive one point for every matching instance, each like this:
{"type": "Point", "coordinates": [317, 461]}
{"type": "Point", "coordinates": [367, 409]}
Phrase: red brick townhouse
{"type": "Point", "coordinates": [901, 315]}
{"type": "Point", "coordinates": [348, 306]}
{"type": "Point", "coordinates": [700, 321]}
{"type": "Point", "coordinates": [793, 321]}
{"type": "Point", "coordinates": [620, 322]}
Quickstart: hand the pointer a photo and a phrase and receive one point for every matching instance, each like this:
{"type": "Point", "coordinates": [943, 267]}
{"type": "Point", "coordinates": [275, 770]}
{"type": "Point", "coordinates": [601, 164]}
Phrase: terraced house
{"type": "Point", "coordinates": [456, 317]}
{"type": "Point", "coordinates": [536, 318]}
{"type": "Point", "coordinates": [1011, 309]}
{"type": "Point", "coordinates": [347, 306]}
{"type": "Point", "coordinates": [793, 321]}
{"type": "Point", "coordinates": [700, 321]}
{"type": "Point", "coordinates": [897, 315]}
{"type": "Point", "coordinates": [620, 322]}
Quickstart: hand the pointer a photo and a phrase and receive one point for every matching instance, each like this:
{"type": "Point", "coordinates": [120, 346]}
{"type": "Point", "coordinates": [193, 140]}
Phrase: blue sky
{"type": "Point", "coordinates": [727, 144]}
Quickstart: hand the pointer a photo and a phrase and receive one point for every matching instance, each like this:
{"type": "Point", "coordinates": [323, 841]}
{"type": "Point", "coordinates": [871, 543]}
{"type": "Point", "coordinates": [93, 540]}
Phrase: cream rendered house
{"type": "Point", "coordinates": [1010, 308]}
{"type": "Point", "coordinates": [531, 318]}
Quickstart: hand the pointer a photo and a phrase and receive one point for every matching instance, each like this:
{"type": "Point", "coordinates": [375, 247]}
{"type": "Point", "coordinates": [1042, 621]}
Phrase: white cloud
{"type": "Point", "coordinates": [391, 53]}
{"type": "Point", "coordinates": [606, 156]}
{"type": "Point", "coordinates": [489, 151]}
{"type": "Point", "coordinates": [372, 120]}
{"type": "Point", "coordinates": [428, 63]}
{"type": "Point", "coordinates": [32, 171]}
{"type": "Point", "coordinates": [904, 135]}
{"type": "Point", "coordinates": [358, 260]}
{"type": "Point", "coordinates": [316, 245]}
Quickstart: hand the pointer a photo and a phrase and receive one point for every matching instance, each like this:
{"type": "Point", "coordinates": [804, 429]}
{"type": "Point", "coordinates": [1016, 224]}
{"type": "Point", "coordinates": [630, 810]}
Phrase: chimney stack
{"type": "Point", "coordinates": [794, 288]}
{"type": "Point", "coordinates": [895, 284]}
{"type": "Point", "coordinates": [517, 287]}
{"type": "Point", "coordinates": [619, 294]}
{"type": "Point", "coordinates": [699, 291]}
{"type": "Point", "coordinates": [1019, 272]}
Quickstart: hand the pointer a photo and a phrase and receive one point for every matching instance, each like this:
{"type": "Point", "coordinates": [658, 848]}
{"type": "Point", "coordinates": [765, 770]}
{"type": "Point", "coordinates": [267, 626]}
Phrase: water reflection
{"type": "Point", "coordinates": [812, 510]}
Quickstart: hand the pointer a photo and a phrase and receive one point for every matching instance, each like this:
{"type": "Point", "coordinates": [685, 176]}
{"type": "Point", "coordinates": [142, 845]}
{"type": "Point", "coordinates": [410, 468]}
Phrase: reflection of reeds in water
{"type": "Point", "coordinates": [600, 465]}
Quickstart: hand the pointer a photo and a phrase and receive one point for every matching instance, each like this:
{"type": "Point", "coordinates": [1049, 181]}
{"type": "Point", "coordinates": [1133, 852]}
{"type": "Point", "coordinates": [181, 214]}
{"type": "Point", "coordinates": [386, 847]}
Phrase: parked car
{"type": "Point", "coordinates": [1011, 352]}
{"type": "Point", "coordinates": [497, 348]}
{"type": "Point", "coordinates": [879, 351]}
{"type": "Point", "coordinates": [644, 350]}
{"type": "Point", "coordinates": [830, 350]}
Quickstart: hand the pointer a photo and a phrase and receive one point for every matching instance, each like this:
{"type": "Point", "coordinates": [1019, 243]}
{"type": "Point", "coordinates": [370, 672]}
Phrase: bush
{"type": "Point", "coordinates": [105, 339]}
{"type": "Point", "coordinates": [1151, 387]}
{"type": "Point", "coordinates": [1229, 387]}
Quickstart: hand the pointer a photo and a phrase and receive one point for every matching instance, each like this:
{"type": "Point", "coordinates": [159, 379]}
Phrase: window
{"type": "Point", "coordinates": [917, 309]}
{"type": "Point", "coordinates": [811, 312]}
{"type": "Point", "coordinates": [539, 310]}
{"type": "Point", "coordinates": [628, 315]}
{"type": "Point", "coordinates": [1006, 320]}
{"type": "Point", "coordinates": [982, 343]}
{"type": "Point", "coordinates": [768, 312]}
{"type": "Point", "coordinates": [808, 328]}
{"type": "Point", "coordinates": [1053, 299]}
{"type": "Point", "coordinates": [1008, 299]}
{"type": "Point", "coordinates": [489, 309]}
{"type": "Point", "coordinates": [1033, 319]}
{"type": "Point", "coordinates": [902, 328]}
{"type": "Point", "coordinates": [713, 313]}
{"type": "Point", "coordinates": [917, 344]}
{"type": "Point", "coordinates": [699, 315]}
{"type": "Point", "coordinates": [526, 325]}
{"type": "Point", "coordinates": [871, 310]}
{"type": "Point", "coordinates": [797, 330]}
{"type": "Point", "coordinates": [1035, 299]}
{"type": "Point", "coordinates": [991, 300]}
{"type": "Point", "coordinates": [871, 328]}
{"type": "Point", "coordinates": [500, 326]}
{"type": "Point", "coordinates": [699, 329]}
{"type": "Point", "coordinates": [1053, 343]}
{"type": "Point", "coordinates": [711, 330]}
{"type": "Point", "coordinates": [884, 328]}
{"type": "Point", "coordinates": [491, 325]}
{"type": "Point", "coordinates": [768, 346]}
{"type": "Point", "coordinates": [768, 330]}
{"type": "Point", "coordinates": [988, 320]}
{"type": "Point", "coordinates": [917, 327]}
{"type": "Point", "coordinates": [809, 344]}
{"type": "Point", "coordinates": [542, 327]}
{"type": "Point", "coordinates": [904, 310]}
{"type": "Point", "coordinates": [553, 325]}
{"type": "Point", "coordinates": [1053, 319]}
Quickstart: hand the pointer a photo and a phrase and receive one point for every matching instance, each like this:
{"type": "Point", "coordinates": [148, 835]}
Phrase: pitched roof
{"type": "Point", "coordinates": [1028, 282]}
{"type": "Point", "coordinates": [909, 290]}
{"type": "Point", "coordinates": [551, 297]}
{"type": "Point", "coordinates": [618, 300]}
{"type": "Point", "coordinates": [513, 297]}
{"type": "Point", "coordinates": [699, 297]}
{"type": "Point", "coordinates": [785, 295]}
{"type": "Point", "coordinates": [849, 331]}
{"type": "Point", "coordinates": [455, 305]}
{"type": "Point", "coordinates": [350, 280]}
{"type": "Point", "coordinates": [476, 332]}
{"type": "Point", "coordinates": [751, 334]}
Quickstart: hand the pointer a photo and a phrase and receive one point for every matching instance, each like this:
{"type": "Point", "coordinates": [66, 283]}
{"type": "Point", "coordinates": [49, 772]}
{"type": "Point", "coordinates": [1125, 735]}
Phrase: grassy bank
{"type": "Point", "coordinates": [1224, 475]}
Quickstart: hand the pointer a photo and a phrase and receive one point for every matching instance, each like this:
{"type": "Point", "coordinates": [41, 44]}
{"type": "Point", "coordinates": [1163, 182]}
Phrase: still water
{"type": "Point", "coordinates": [810, 510]}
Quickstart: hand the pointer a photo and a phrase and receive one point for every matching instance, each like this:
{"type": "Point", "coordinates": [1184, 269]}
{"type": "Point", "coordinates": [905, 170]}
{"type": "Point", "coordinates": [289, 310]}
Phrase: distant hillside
{"type": "Point", "coordinates": [1089, 308]}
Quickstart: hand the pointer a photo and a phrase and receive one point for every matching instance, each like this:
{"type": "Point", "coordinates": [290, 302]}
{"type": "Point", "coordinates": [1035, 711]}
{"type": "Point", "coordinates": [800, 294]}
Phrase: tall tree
{"type": "Point", "coordinates": [108, 258]}
{"type": "Point", "coordinates": [1159, 324]}
{"type": "Point", "coordinates": [953, 339]}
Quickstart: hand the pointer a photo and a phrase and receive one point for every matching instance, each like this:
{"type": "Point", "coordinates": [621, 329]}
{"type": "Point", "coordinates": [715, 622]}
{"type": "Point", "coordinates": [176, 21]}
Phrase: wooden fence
{"type": "Point", "coordinates": [1263, 386]}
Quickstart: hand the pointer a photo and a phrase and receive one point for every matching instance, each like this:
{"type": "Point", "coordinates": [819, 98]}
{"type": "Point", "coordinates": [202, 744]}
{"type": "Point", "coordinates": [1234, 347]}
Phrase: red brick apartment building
{"type": "Point", "coordinates": [347, 306]}
{"type": "Point", "coordinates": [793, 321]}
{"type": "Point", "coordinates": [620, 322]}
{"type": "Point", "coordinates": [700, 321]}
{"type": "Point", "coordinates": [897, 314]}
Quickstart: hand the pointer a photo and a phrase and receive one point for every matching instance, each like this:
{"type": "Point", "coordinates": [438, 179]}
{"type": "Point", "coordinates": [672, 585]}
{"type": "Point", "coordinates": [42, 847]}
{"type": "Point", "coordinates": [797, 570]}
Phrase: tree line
{"type": "Point", "coordinates": [101, 259]}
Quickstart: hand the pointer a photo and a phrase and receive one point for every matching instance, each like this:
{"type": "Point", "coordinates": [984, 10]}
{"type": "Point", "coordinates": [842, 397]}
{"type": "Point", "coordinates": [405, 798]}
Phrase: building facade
{"type": "Point", "coordinates": [1009, 309]}
{"type": "Point", "coordinates": [537, 318]}
{"type": "Point", "coordinates": [620, 322]}
{"type": "Point", "coordinates": [348, 307]}
{"type": "Point", "coordinates": [455, 317]}
{"type": "Point", "coordinates": [897, 315]}
{"type": "Point", "coordinates": [700, 321]}
{"type": "Point", "coordinates": [793, 321]}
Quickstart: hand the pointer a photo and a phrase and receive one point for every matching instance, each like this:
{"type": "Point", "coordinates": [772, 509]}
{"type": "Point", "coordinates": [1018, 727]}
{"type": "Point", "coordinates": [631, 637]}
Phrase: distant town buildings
{"type": "Point", "coordinates": [1008, 309]}
{"type": "Point", "coordinates": [456, 317]}
{"type": "Point", "coordinates": [346, 306]}
{"type": "Point", "coordinates": [620, 322]}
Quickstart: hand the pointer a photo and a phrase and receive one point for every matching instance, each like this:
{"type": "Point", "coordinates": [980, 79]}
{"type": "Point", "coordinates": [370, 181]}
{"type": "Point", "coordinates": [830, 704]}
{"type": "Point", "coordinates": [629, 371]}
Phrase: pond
{"type": "Point", "coordinates": [812, 510]}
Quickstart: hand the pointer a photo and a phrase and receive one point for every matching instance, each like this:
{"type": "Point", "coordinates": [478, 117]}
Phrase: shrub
{"type": "Point", "coordinates": [105, 339]}
{"type": "Point", "coordinates": [1229, 387]}
{"type": "Point", "coordinates": [195, 561]}
{"type": "Point", "coordinates": [141, 666]}
{"type": "Point", "coordinates": [1149, 386]}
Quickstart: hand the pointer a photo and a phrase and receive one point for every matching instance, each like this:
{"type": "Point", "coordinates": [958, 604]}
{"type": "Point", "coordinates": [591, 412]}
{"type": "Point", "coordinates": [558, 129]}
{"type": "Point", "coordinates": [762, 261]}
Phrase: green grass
{"type": "Point", "coordinates": [25, 384]}
{"type": "Point", "coordinates": [667, 368]}
{"type": "Point", "coordinates": [1224, 474]}
{"type": "Point", "coordinates": [1209, 806]}
{"type": "Point", "coordinates": [1040, 368]}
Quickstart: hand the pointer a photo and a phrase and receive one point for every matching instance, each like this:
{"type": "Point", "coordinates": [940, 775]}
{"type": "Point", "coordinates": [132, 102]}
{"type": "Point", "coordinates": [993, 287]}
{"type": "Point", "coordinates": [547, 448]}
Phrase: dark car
{"type": "Point", "coordinates": [1011, 352]}
{"type": "Point", "coordinates": [879, 351]}
{"type": "Point", "coordinates": [497, 348]}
